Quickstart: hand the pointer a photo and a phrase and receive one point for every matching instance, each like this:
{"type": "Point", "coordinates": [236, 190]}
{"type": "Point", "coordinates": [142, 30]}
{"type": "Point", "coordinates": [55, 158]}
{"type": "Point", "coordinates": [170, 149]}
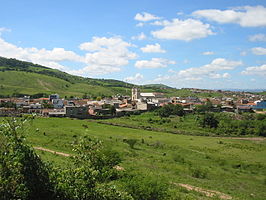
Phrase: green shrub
{"type": "Point", "coordinates": [130, 142]}
{"type": "Point", "coordinates": [199, 173]}
{"type": "Point", "coordinates": [23, 175]}
{"type": "Point", "coordinates": [146, 188]}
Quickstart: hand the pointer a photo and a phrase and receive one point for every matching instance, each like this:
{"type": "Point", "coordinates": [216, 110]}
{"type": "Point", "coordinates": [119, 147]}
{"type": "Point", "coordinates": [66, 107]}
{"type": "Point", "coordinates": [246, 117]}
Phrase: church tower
{"type": "Point", "coordinates": [135, 94]}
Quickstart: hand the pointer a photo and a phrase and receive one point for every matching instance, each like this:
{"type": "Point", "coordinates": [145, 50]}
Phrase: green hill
{"type": "Point", "coordinates": [18, 78]}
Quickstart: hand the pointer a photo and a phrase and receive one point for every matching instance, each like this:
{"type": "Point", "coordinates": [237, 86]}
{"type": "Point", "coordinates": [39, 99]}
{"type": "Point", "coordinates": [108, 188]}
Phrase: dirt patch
{"type": "Point", "coordinates": [51, 151]}
{"type": "Point", "coordinates": [208, 193]}
{"type": "Point", "coordinates": [119, 168]}
{"type": "Point", "coordinates": [44, 84]}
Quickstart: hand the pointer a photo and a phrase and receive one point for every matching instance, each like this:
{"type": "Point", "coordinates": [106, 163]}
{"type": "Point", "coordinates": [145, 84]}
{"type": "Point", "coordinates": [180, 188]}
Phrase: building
{"type": "Point", "coordinates": [146, 97]}
{"type": "Point", "coordinates": [58, 103]}
{"type": "Point", "coordinates": [259, 105]}
{"type": "Point", "coordinates": [53, 96]}
{"type": "Point", "coordinates": [81, 112]}
{"type": "Point", "coordinates": [135, 94]}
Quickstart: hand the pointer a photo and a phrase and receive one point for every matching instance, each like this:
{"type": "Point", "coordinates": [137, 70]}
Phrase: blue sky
{"type": "Point", "coordinates": [201, 44]}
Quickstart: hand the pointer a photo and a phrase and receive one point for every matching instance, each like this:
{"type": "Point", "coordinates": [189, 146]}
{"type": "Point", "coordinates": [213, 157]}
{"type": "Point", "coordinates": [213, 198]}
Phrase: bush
{"type": "Point", "coordinates": [145, 188]}
{"type": "Point", "coordinates": [23, 175]}
{"type": "Point", "coordinates": [131, 142]}
{"type": "Point", "coordinates": [208, 120]}
{"type": "Point", "coordinates": [170, 109]}
{"type": "Point", "coordinates": [199, 173]}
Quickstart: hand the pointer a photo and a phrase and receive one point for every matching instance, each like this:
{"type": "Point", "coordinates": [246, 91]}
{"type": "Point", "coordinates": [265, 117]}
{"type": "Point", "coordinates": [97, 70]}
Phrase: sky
{"type": "Point", "coordinates": [211, 44]}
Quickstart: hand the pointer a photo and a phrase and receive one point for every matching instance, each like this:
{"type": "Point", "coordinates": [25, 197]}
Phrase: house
{"type": "Point", "coordinates": [53, 96]}
{"type": "Point", "coordinates": [81, 112]}
{"type": "Point", "coordinates": [58, 103]}
{"type": "Point", "coordinates": [259, 105]}
{"type": "Point", "coordinates": [240, 109]}
{"type": "Point", "coordinates": [146, 105]}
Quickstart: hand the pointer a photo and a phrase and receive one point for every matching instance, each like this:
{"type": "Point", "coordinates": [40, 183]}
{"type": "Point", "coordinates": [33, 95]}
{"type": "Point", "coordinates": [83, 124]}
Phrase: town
{"type": "Point", "coordinates": [103, 108]}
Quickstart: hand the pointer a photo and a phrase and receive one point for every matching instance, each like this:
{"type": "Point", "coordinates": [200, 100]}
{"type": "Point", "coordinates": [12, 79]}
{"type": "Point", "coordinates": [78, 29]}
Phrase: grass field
{"type": "Point", "coordinates": [234, 167]}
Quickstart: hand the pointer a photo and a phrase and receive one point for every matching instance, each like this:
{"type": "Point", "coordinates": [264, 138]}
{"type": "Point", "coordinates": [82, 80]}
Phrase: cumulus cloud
{"type": "Point", "coordinates": [106, 53]}
{"type": "Point", "coordinates": [257, 38]}
{"type": "Point", "coordinates": [256, 70]}
{"type": "Point", "coordinates": [144, 17]}
{"type": "Point", "coordinates": [211, 70]}
{"type": "Point", "coordinates": [141, 36]}
{"type": "Point", "coordinates": [152, 48]}
{"type": "Point", "coordinates": [207, 53]}
{"type": "Point", "coordinates": [154, 63]}
{"type": "Point", "coordinates": [259, 51]}
{"type": "Point", "coordinates": [49, 58]}
{"type": "Point", "coordinates": [134, 79]}
{"type": "Point", "coordinates": [247, 16]}
{"type": "Point", "coordinates": [186, 30]}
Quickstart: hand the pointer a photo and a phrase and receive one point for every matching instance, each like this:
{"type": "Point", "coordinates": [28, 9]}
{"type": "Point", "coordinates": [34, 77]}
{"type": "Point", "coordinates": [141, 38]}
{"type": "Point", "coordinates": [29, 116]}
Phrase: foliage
{"type": "Point", "coordinates": [207, 107]}
{"type": "Point", "coordinates": [23, 175]}
{"type": "Point", "coordinates": [146, 187]}
{"type": "Point", "coordinates": [170, 109]}
{"type": "Point", "coordinates": [7, 104]}
{"type": "Point", "coordinates": [131, 142]}
{"type": "Point", "coordinates": [208, 120]}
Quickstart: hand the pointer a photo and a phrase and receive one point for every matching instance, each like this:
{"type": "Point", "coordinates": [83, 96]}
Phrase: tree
{"type": "Point", "coordinates": [171, 109]}
{"type": "Point", "coordinates": [208, 120]}
{"type": "Point", "coordinates": [207, 107]}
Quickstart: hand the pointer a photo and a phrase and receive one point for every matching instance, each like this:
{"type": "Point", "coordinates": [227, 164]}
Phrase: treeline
{"type": "Point", "coordinates": [220, 123]}
{"type": "Point", "coordinates": [24, 175]}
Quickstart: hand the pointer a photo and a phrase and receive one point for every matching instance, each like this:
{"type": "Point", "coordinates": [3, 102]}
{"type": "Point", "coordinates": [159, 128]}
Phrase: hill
{"type": "Point", "coordinates": [18, 78]}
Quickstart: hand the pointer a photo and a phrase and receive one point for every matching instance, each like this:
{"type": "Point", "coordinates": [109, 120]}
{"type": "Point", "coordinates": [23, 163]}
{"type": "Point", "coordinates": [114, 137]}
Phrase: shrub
{"type": "Point", "coordinates": [170, 109]}
{"type": "Point", "coordinates": [23, 175]}
{"type": "Point", "coordinates": [147, 188]}
{"type": "Point", "coordinates": [199, 173]}
{"type": "Point", "coordinates": [130, 142]}
{"type": "Point", "coordinates": [208, 120]}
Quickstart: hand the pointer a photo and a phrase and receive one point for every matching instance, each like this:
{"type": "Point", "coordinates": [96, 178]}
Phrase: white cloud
{"type": "Point", "coordinates": [247, 16]}
{"type": "Point", "coordinates": [186, 30]}
{"type": "Point", "coordinates": [134, 79]}
{"type": "Point", "coordinates": [211, 70]}
{"type": "Point", "coordinates": [256, 70]}
{"type": "Point", "coordinates": [49, 58]}
{"type": "Point", "coordinates": [257, 38]}
{"type": "Point", "coordinates": [207, 53]}
{"type": "Point", "coordinates": [154, 63]}
{"type": "Point", "coordinates": [152, 48]}
{"type": "Point", "coordinates": [141, 24]}
{"type": "Point", "coordinates": [141, 36]}
{"type": "Point", "coordinates": [106, 55]}
{"type": "Point", "coordinates": [144, 16]}
{"type": "Point", "coordinates": [3, 29]}
{"type": "Point", "coordinates": [259, 51]}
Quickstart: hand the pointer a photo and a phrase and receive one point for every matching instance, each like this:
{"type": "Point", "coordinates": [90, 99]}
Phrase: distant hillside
{"type": "Point", "coordinates": [18, 78]}
{"type": "Point", "coordinates": [159, 86]}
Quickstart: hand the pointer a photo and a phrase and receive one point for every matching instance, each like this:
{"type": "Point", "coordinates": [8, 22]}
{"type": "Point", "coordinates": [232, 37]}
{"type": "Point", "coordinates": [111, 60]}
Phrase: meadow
{"type": "Point", "coordinates": [234, 167]}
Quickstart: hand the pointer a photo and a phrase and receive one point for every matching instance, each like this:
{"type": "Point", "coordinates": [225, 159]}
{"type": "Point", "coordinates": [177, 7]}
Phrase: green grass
{"type": "Point", "coordinates": [32, 83]}
{"type": "Point", "coordinates": [149, 120]}
{"type": "Point", "coordinates": [234, 167]}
